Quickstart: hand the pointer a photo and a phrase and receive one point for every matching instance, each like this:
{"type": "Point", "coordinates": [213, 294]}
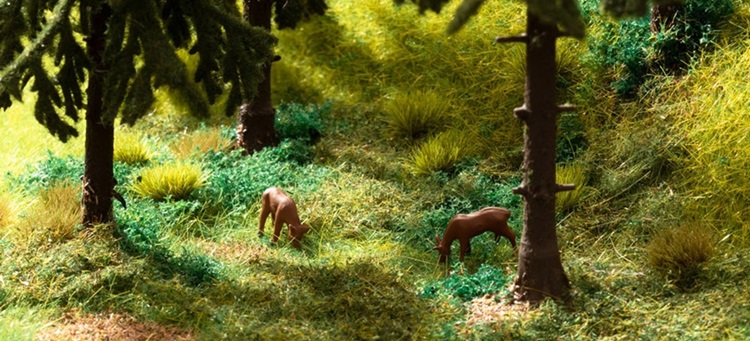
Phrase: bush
{"type": "Point", "coordinates": [175, 181]}
{"type": "Point", "coordinates": [130, 149]}
{"type": "Point", "coordinates": [679, 253]}
{"type": "Point", "coordinates": [441, 153]}
{"type": "Point", "coordinates": [416, 114]}
{"type": "Point", "coordinates": [297, 121]}
{"type": "Point", "coordinates": [487, 280]}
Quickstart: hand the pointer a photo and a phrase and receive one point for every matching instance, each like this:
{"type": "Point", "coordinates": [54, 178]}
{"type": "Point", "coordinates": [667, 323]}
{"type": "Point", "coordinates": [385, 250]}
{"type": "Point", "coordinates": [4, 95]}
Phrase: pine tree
{"type": "Point", "coordinates": [130, 50]}
{"type": "Point", "coordinates": [255, 120]}
{"type": "Point", "coordinates": [540, 271]}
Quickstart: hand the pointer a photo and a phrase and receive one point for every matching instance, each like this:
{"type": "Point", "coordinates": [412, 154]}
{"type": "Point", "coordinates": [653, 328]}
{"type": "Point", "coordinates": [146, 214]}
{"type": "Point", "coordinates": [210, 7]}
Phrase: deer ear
{"type": "Point", "coordinates": [437, 239]}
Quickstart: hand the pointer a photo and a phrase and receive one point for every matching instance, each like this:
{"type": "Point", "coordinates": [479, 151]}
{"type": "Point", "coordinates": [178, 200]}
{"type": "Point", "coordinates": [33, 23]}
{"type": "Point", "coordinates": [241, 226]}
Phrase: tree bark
{"type": "Point", "coordinates": [98, 178]}
{"type": "Point", "coordinates": [255, 120]}
{"type": "Point", "coordinates": [540, 272]}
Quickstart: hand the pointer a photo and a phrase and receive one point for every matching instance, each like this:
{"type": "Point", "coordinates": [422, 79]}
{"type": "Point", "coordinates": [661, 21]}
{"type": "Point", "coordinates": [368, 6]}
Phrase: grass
{"type": "Point", "coordinates": [169, 181]}
{"type": "Point", "coordinates": [366, 269]}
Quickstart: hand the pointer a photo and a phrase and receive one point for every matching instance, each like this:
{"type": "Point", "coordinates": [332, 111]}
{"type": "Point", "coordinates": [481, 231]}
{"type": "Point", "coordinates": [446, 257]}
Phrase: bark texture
{"type": "Point", "coordinates": [540, 272]}
{"type": "Point", "coordinates": [98, 178]}
{"type": "Point", "coordinates": [255, 120]}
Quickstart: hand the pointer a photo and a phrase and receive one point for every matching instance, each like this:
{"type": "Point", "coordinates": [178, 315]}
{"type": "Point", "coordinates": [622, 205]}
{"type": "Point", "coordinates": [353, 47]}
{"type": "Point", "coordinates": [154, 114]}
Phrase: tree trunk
{"type": "Point", "coordinates": [255, 120]}
{"type": "Point", "coordinates": [540, 272]}
{"type": "Point", "coordinates": [98, 178]}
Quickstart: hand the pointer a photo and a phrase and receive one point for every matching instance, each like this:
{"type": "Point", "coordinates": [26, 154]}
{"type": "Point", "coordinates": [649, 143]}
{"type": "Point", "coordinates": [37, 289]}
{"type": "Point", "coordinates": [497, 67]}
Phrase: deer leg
{"type": "Point", "coordinates": [277, 224]}
{"type": "Point", "coordinates": [265, 210]}
{"type": "Point", "coordinates": [465, 246]}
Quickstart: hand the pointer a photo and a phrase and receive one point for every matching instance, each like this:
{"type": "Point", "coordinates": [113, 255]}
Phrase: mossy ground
{"type": "Point", "coordinates": [196, 268]}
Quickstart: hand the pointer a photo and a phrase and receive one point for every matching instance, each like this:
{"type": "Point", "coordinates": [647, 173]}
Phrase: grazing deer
{"type": "Point", "coordinates": [466, 226]}
{"type": "Point", "coordinates": [282, 210]}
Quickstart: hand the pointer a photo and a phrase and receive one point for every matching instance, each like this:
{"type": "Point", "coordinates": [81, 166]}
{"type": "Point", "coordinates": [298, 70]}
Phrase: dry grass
{"type": "Point", "coordinates": [681, 252]}
{"type": "Point", "coordinates": [199, 141]}
{"type": "Point", "coordinates": [110, 326]}
{"type": "Point", "coordinates": [52, 218]}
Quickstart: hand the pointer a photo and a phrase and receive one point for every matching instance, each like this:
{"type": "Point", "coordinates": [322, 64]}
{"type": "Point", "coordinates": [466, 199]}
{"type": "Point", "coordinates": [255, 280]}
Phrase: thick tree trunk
{"type": "Point", "coordinates": [98, 179]}
{"type": "Point", "coordinates": [540, 272]}
{"type": "Point", "coordinates": [255, 120]}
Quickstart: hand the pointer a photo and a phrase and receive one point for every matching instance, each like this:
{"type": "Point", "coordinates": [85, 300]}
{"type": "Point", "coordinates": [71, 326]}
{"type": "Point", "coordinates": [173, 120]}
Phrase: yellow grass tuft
{"type": "Point", "coordinates": [570, 174]}
{"type": "Point", "coordinates": [681, 252]}
{"type": "Point", "coordinates": [441, 152]}
{"type": "Point", "coordinates": [131, 148]}
{"type": "Point", "coordinates": [52, 218]}
{"type": "Point", "coordinates": [416, 114]}
{"type": "Point", "coordinates": [176, 181]}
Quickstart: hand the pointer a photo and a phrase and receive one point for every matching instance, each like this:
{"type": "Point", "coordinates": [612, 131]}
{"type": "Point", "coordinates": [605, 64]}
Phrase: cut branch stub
{"type": "Point", "coordinates": [564, 187]}
{"type": "Point", "coordinates": [522, 112]}
{"type": "Point", "coordinates": [520, 190]}
{"type": "Point", "coordinates": [566, 108]}
{"type": "Point", "coordinates": [522, 38]}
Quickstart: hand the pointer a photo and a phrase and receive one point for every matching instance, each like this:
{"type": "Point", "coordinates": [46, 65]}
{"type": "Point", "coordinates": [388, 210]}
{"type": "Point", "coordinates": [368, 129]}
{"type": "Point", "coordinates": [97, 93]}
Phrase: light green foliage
{"type": "Point", "coordinates": [680, 253]}
{"type": "Point", "coordinates": [416, 114]}
{"type": "Point", "coordinates": [441, 152]}
{"type": "Point", "coordinates": [487, 280]}
{"type": "Point", "coordinates": [174, 181]}
{"type": "Point", "coordinates": [570, 174]}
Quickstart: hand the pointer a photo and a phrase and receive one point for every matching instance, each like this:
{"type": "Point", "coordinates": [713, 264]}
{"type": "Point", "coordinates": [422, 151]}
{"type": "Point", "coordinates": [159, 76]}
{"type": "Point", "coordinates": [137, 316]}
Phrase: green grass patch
{"type": "Point", "coordinates": [169, 181]}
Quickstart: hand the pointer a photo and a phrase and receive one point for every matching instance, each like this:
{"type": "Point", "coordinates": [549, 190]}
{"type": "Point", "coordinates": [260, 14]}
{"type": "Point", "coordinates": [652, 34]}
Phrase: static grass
{"type": "Point", "coordinates": [199, 141]}
{"type": "Point", "coordinates": [412, 115]}
{"type": "Point", "coordinates": [169, 181]}
{"type": "Point", "coordinates": [52, 218]}
{"type": "Point", "coordinates": [570, 174]}
{"type": "Point", "coordinates": [130, 148]}
{"type": "Point", "coordinates": [680, 253]}
{"type": "Point", "coordinates": [442, 152]}
{"type": "Point", "coordinates": [22, 322]}
{"type": "Point", "coordinates": [710, 112]}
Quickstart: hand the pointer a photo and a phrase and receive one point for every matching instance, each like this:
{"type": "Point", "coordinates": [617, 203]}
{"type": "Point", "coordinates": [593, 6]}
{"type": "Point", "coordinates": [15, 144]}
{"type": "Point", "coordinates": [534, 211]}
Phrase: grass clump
{"type": "Point", "coordinates": [199, 142]}
{"type": "Point", "coordinates": [570, 174]}
{"type": "Point", "coordinates": [416, 114]}
{"type": "Point", "coordinates": [130, 149]}
{"type": "Point", "coordinates": [441, 152]}
{"type": "Point", "coordinates": [680, 253]}
{"type": "Point", "coordinates": [169, 181]}
{"type": "Point", "coordinates": [52, 218]}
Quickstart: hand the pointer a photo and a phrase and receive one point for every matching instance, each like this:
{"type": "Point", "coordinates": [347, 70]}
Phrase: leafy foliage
{"type": "Point", "coordinates": [295, 121]}
{"type": "Point", "coordinates": [465, 287]}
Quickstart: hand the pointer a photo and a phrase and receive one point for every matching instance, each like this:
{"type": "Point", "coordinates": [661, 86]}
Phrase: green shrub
{"type": "Point", "coordinates": [679, 253]}
{"type": "Point", "coordinates": [441, 152]}
{"type": "Point", "coordinates": [487, 280]}
{"type": "Point", "coordinates": [416, 114]}
{"type": "Point", "coordinates": [130, 149]}
{"type": "Point", "coordinates": [175, 181]}
{"type": "Point", "coordinates": [570, 174]}
{"type": "Point", "coordinates": [297, 121]}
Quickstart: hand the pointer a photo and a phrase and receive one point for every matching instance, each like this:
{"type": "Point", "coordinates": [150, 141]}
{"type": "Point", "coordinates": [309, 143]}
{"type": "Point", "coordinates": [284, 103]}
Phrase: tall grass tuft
{"type": "Point", "coordinates": [199, 142]}
{"type": "Point", "coordinates": [441, 152]}
{"type": "Point", "coordinates": [570, 174]}
{"type": "Point", "coordinates": [130, 148]}
{"type": "Point", "coordinates": [416, 114]}
{"type": "Point", "coordinates": [52, 218]}
{"type": "Point", "coordinates": [169, 181]}
{"type": "Point", "coordinates": [6, 210]}
{"type": "Point", "coordinates": [680, 253]}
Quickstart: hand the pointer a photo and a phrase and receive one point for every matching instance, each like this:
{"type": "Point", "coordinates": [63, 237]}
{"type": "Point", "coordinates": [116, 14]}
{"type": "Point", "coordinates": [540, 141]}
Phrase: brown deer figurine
{"type": "Point", "coordinates": [283, 210]}
{"type": "Point", "coordinates": [466, 226]}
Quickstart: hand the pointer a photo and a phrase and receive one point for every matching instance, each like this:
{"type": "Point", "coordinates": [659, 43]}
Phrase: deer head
{"type": "Point", "coordinates": [297, 232]}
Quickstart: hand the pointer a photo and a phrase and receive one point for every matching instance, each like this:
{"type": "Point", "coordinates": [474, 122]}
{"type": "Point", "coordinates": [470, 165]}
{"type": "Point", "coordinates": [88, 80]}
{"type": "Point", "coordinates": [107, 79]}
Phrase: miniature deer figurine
{"type": "Point", "coordinates": [282, 210]}
{"type": "Point", "coordinates": [466, 226]}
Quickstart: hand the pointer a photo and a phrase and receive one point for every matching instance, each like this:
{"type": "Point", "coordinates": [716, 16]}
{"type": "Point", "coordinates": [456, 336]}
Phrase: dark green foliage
{"type": "Point", "coordinates": [55, 169]}
{"type": "Point", "coordinates": [290, 13]}
{"type": "Point", "coordinates": [465, 287]}
{"type": "Point", "coordinates": [238, 181]}
{"type": "Point", "coordinates": [141, 235]}
{"type": "Point", "coordinates": [629, 48]}
{"type": "Point", "coordinates": [694, 31]}
{"type": "Point", "coordinates": [139, 54]}
{"type": "Point", "coordinates": [571, 138]}
{"type": "Point", "coordinates": [300, 122]}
